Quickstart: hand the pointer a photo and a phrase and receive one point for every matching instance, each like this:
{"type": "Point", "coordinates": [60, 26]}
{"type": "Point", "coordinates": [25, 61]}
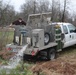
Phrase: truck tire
{"type": "Point", "coordinates": [51, 54]}
{"type": "Point", "coordinates": [46, 38]}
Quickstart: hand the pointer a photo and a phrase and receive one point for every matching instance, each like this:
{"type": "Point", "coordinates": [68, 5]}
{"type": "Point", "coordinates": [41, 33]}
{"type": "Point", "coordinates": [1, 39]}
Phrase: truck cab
{"type": "Point", "coordinates": [69, 34]}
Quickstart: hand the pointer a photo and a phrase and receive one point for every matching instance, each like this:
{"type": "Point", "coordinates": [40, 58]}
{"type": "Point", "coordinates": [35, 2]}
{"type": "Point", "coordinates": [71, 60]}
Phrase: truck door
{"type": "Point", "coordinates": [72, 34]}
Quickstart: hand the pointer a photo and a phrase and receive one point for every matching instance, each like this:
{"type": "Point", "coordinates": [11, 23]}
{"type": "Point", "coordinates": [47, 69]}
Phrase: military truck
{"type": "Point", "coordinates": [45, 38]}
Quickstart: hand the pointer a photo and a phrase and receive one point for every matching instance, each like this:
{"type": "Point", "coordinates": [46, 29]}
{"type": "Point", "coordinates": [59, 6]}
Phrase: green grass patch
{"type": "Point", "coordinates": [6, 37]}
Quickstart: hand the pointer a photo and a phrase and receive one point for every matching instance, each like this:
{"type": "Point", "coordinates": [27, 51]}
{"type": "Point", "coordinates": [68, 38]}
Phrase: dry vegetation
{"type": "Point", "coordinates": [65, 64]}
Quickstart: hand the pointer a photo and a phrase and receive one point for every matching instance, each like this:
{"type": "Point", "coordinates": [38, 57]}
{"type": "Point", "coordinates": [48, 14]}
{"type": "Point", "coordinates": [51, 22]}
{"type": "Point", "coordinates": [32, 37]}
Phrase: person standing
{"type": "Point", "coordinates": [16, 25]}
{"type": "Point", "coordinates": [18, 22]}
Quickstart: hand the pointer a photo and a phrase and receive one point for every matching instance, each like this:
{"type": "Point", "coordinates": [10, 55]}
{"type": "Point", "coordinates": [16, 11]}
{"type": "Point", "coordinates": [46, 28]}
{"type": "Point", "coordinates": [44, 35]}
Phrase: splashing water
{"type": "Point", "coordinates": [14, 61]}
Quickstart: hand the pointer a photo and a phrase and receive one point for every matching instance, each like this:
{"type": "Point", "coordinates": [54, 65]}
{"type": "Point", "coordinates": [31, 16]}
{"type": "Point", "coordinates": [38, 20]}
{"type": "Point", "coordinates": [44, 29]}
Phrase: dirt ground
{"type": "Point", "coordinates": [65, 64]}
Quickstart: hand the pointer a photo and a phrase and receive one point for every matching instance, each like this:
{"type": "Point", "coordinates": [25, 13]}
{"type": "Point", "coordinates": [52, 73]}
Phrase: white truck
{"type": "Point", "coordinates": [64, 36]}
{"type": "Point", "coordinates": [45, 38]}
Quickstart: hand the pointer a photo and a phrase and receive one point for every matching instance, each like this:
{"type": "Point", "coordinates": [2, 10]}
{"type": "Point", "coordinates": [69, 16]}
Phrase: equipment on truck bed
{"type": "Point", "coordinates": [42, 37]}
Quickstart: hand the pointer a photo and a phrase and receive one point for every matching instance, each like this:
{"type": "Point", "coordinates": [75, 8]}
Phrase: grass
{"type": "Point", "coordinates": [6, 37]}
{"type": "Point", "coordinates": [71, 49]}
{"type": "Point", "coordinates": [19, 70]}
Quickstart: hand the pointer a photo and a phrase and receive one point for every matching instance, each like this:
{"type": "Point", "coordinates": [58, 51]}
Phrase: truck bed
{"type": "Point", "coordinates": [36, 49]}
{"type": "Point", "coordinates": [52, 44]}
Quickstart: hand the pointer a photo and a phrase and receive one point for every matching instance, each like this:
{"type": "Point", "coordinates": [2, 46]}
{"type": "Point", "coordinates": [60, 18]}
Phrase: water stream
{"type": "Point", "coordinates": [14, 61]}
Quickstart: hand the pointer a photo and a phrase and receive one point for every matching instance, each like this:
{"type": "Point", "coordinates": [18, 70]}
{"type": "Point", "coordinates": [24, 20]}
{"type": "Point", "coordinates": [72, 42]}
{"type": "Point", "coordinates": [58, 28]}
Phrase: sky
{"type": "Point", "coordinates": [18, 3]}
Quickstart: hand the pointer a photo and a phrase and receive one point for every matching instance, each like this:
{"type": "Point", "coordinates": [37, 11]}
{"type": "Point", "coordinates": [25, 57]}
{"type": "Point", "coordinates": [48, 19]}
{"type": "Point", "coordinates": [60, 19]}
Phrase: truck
{"type": "Point", "coordinates": [43, 37]}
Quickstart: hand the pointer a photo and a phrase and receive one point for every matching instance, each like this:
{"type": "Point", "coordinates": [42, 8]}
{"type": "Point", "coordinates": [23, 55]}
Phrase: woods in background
{"type": "Point", "coordinates": [59, 11]}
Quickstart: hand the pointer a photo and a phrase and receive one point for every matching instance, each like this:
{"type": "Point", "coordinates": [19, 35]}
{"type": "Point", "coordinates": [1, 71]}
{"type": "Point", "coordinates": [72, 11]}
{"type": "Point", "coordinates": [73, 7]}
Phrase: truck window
{"type": "Point", "coordinates": [65, 29]}
{"type": "Point", "coordinates": [71, 28]}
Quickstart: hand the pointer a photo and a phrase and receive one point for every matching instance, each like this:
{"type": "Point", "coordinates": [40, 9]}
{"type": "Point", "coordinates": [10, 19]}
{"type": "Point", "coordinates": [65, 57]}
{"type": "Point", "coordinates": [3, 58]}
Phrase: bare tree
{"type": "Point", "coordinates": [56, 12]}
{"type": "Point", "coordinates": [63, 16]}
{"type": "Point", "coordinates": [34, 11]}
{"type": "Point", "coordinates": [7, 14]}
{"type": "Point", "coordinates": [33, 7]}
{"type": "Point", "coordinates": [40, 6]}
{"type": "Point", "coordinates": [52, 16]}
{"type": "Point", "coordinates": [44, 6]}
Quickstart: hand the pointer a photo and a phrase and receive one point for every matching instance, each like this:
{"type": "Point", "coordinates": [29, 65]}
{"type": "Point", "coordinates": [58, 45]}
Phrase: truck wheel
{"type": "Point", "coordinates": [51, 54]}
{"type": "Point", "coordinates": [46, 38]}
